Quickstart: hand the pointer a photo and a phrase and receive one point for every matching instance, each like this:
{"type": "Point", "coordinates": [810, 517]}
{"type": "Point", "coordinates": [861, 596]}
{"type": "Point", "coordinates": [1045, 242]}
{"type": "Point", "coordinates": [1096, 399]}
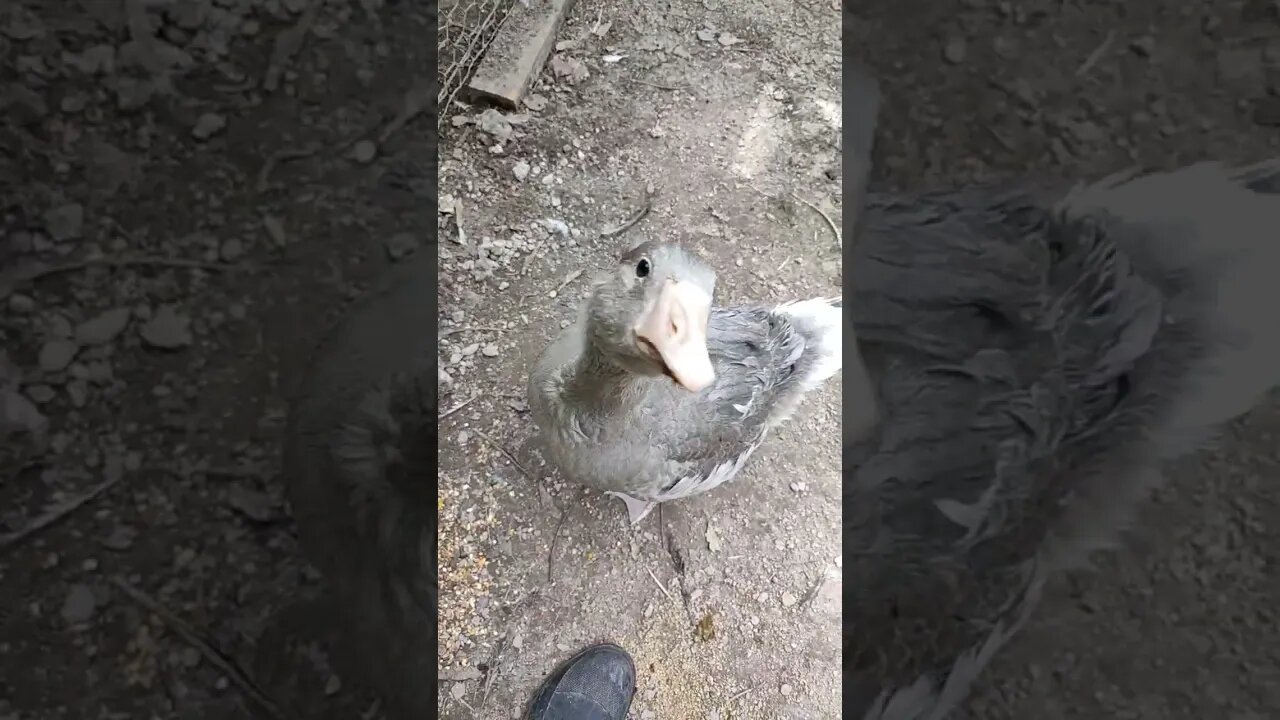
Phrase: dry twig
{"type": "Point", "coordinates": [1096, 55]}
{"type": "Point", "coordinates": [510, 455]}
{"type": "Point", "coordinates": [264, 174]}
{"type": "Point", "coordinates": [660, 587]}
{"type": "Point", "coordinates": [630, 222]}
{"type": "Point", "coordinates": [834, 230]}
{"type": "Point", "coordinates": [215, 657]}
{"type": "Point", "coordinates": [55, 513]}
{"type": "Point", "coordinates": [672, 88]}
{"type": "Point", "coordinates": [470, 328]}
{"type": "Point", "coordinates": [457, 407]}
{"type": "Point", "coordinates": [739, 694]}
{"type": "Point", "coordinates": [555, 537]}
{"type": "Point", "coordinates": [20, 277]}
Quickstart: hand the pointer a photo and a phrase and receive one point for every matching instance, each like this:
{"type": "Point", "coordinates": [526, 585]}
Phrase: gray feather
{"type": "Point", "coordinates": [1035, 354]}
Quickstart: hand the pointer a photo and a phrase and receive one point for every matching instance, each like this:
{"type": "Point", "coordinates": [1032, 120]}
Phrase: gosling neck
{"type": "Point", "coordinates": [600, 382]}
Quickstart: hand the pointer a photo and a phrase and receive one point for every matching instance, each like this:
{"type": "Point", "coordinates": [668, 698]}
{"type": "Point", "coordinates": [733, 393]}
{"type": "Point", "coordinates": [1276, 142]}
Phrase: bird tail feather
{"type": "Point", "coordinates": [820, 319]}
{"type": "Point", "coordinates": [1213, 233]}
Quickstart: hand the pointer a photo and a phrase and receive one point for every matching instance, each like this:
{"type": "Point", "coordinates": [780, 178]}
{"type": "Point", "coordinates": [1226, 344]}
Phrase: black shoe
{"type": "Point", "coordinates": [595, 684]}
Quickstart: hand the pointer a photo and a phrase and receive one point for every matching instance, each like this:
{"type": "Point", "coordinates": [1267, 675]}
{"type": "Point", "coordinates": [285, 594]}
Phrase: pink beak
{"type": "Point", "coordinates": [676, 326]}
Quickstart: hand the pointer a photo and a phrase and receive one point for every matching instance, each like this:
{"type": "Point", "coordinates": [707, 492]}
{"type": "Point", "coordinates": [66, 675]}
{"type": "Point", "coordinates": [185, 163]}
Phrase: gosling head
{"type": "Point", "coordinates": [651, 311]}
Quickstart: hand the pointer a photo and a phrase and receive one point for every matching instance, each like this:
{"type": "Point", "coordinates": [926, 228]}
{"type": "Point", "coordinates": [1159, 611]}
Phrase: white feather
{"type": "Point", "coordinates": [1202, 222]}
{"type": "Point", "coordinates": [821, 314]}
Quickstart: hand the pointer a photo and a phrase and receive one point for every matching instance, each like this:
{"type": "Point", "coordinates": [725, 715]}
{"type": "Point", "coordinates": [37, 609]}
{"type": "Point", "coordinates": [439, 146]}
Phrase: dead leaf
{"type": "Point", "coordinates": [612, 58]}
{"type": "Point", "coordinates": [602, 29]}
{"type": "Point", "coordinates": [706, 629]}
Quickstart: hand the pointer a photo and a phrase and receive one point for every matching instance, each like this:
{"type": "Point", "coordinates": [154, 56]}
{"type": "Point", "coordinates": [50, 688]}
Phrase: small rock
{"type": "Point", "coordinates": [332, 685]}
{"type": "Point", "coordinates": [190, 657]}
{"type": "Point", "coordinates": [121, 538]}
{"type": "Point", "coordinates": [713, 539]}
{"type": "Point", "coordinates": [459, 691]}
{"type": "Point", "coordinates": [103, 328]}
{"type": "Point", "coordinates": [1144, 46]}
{"type": "Point", "coordinates": [1266, 112]}
{"type": "Point", "coordinates": [255, 505]}
{"type": "Point", "coordinates": [65, 222]}
{"type": "Point", "coordinates": [788, 599]}
{"type": "Point", "coordinates": [208, 125]}
{"type": "Point", "coordinates": [41, 394]}
{"type": "Point", "coordinates": [520, 170]}
{"type": "Point", "coordinates": [18, 414]}
{"type": "Point", "coordinates": [22, 304]}
{"type": "Point", "coordinates": [401, 245]}
{"type": "Point", "coordinates": [275, 230]}
{"type": "Point", "coordinates": [785, 689]}
{"type": "Point", "coordinates": [955, 49]}
{"type": "Point", "coordinates": [79, 606]}
{"type": "Point", "coordinates": [56, 355]}
{"type": "Point", "coordinates": [535, 102]}
{"type": "Point", "coordinates": [364, 151]}
{"type": "Point", "coordinates": [167, 329]}
{"type": "Point", "coordinates": [490, 350]}
{"type": "Point", "coordinates": [78, 392]}
{"type": "Point", "coordinates": [231, 250]}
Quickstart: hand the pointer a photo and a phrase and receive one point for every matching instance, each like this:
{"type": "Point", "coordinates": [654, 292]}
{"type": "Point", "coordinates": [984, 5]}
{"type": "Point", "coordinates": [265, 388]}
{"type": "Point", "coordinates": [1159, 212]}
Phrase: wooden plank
{"type": "Point", "coordinates": [518, 52]}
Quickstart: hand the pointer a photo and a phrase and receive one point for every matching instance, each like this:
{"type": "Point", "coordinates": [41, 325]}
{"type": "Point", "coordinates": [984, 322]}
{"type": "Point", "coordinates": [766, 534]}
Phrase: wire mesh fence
{"type": "Point", "coordinates": [467, 28]}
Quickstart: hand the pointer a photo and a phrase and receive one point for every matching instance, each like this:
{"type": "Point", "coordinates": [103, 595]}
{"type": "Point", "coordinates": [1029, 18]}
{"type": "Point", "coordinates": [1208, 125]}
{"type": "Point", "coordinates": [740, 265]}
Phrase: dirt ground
{"type": "Point", "coordinates": [236, 153]}
{"type": "Point", "coordinates": [167, 377]}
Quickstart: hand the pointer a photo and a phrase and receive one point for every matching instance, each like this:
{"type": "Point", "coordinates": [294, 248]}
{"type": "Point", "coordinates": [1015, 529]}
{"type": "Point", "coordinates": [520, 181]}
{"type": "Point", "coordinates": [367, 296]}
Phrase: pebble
{"type": "Point", "coordinates": [41, 394]}
{"type": "Point", "coordinates": [103, 328]}
{"type": "Point", "coordinates": [56, 355]}
{"type": "Point", "coordinates": [520, 170]}
{"type": "Point", "coordinates": [364, 151]}
{"type": "Point", "coordinates": [21, 303]}
{"type": "Point", "coordinates": [65, 222]}
{"type": "Point", "coordinates": [401, 245]}
{"type": "Point", "coordinates": [167, 329]}
{"type": "Point", "coordinates": [1144, 45]}
{"type": "Point", "coordinates": [490, 350]}
{"type": "Point", "coordinates": [121, 538]}
{"type": "Point", "coordinates": [955, 50]}
{"type": "Point", "coordinates": [231, 250]}
{"type": "Point", "coordinates": [78, 392]}
{"type": "Point", "coordinates": [80, 605]}
{"type": "Point", "coordinates": [788, 599]}
{"type": "Point", "coordinates": [785, 689]}
{"type": "Point", "coordinates": [208, 125]}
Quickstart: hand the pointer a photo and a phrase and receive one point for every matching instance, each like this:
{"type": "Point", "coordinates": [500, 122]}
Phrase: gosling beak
{"type": "Point", "coordinates": [675, 326]}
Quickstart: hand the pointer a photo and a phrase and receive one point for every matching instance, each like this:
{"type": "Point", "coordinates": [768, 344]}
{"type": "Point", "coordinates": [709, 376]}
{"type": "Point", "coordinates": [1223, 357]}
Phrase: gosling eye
{"type": "Point", "coordinates": [642, 268]}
